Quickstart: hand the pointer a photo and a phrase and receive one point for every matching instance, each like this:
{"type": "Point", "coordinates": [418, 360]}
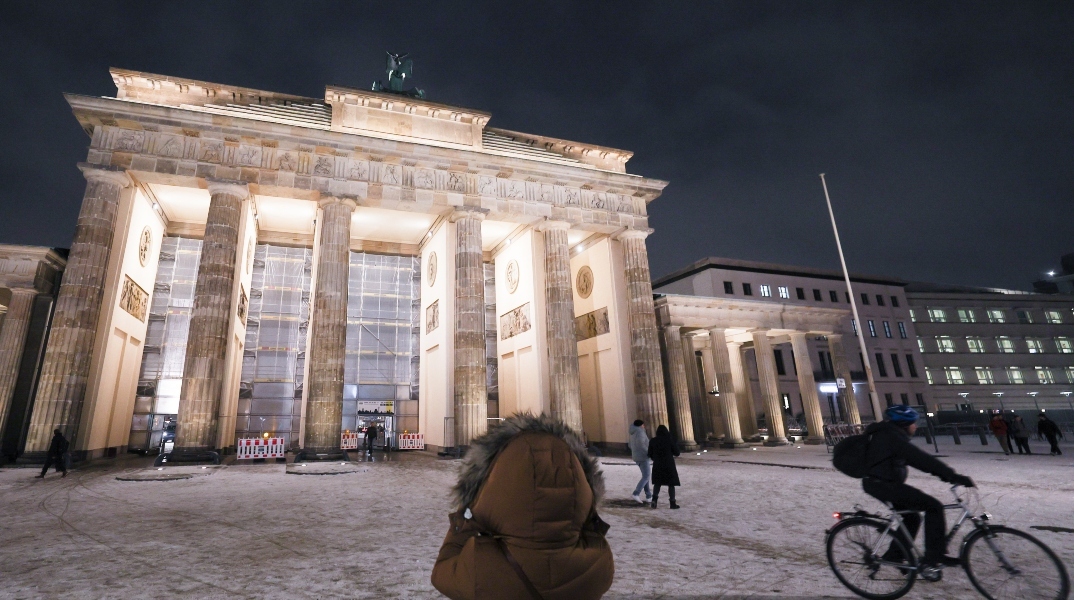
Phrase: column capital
{"type": "Point", "coordinates": [834, 336]}
{"type": "Point", "coordinates": [798, 334]}
{"type": "Point", "coordinates": [632, 234]}
{"type": "Point", "coordinates": [674, 329]}
{"type": "Point", "coordinates": [105, 174]}
{"type": "Point", "coordinates": [549, 225]}
{"type": "Point", "coordinates": [468, 212]}
{"type": "Point", "coordinates": [330, 200]}
{"type": "Point", "coordinates": [231, 188]}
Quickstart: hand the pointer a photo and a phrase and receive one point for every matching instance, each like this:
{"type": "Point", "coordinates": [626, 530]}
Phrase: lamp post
{"type": "Point", "coordinates": [873, 397]}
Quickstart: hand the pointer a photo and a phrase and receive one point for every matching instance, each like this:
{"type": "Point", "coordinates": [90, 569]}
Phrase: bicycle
{"type": "Point", "coordinates": [874, 556]}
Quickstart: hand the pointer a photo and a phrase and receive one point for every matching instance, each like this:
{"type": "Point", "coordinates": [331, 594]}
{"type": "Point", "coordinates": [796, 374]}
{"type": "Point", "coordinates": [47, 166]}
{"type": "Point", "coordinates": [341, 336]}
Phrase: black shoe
{"type": "Point", "coordinates": [652, 504]}
{"type": "Point", "coordinates": [39, 476]}
{"type": "Point", "coordinates": [931, 572]}
{"type": "Point", "coordinates": [674, 506]}
{"type": "Point", "coordinates": [951, 561]}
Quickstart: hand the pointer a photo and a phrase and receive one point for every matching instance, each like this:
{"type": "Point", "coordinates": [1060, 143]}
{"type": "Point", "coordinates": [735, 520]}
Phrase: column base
{"type": "Point", "coordinates": [733, 445]}
{"type": "Point", "coordinates": [691, 447]}
{"type": "Point", "coordinates": [321, 454]}
{"type": "Point", "coordinates": [777, 442]}
{"type": "Point", "coordinates": [813, 441]}
{"type": "Point", "coordinates": [187, 456]}
{"type": "Point", "coordinates": [754, 439]}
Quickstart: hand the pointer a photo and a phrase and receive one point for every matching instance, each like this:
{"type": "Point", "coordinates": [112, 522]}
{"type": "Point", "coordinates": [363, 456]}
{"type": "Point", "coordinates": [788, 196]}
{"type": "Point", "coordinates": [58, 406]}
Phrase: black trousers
{"type": "Point", "coordinates": [1054, 442]}
{"type": "Point", "coordinates": [1023, 444]}
{"type": "Point", "coordinates": [671, 493]}
{"type": "Point", "coordinates": [905, 497]}
{"type": "Point", "coordinates": [54, 460]}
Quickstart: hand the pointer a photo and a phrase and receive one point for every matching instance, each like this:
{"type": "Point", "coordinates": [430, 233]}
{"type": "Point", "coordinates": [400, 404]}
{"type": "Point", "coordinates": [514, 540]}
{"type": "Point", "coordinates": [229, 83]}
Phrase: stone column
{"type": "Point", "coordinates": [61, 389]}
{"type": "Point", "coordinates": [740, 377]}
{"type": "Point", "coordinates": [710, 402]}
{"type": "Point", "coordinates": [842, 370]}
{"type": "Point", "coordinates": [12, 341]}
{"type": "Point", "coordinates": [680, 392]}
{"type": "Point", "coordinates": [471, 384]}
{"type": "Point", "coordinates": [644, 345]}
{"type": "Point", "coordinates": [564, 384]}
{"type": "Point", "coordinates": [695, 382]}
{"type": "Point", "coordinates": [727, 400]}
{"type": "Point", "coordinates": [206, 351]}
{"type": "Point", "coordinates": [328, 329]}
{"type": "Point", "coordinates": [808, 386]}
{"type": "Point", "coordinates": [766, 370]}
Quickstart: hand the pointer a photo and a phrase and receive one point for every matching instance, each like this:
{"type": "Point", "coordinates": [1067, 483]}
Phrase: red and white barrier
{"type": "Point", "coordinates": [411, 441]}
{"type": "Point", "coordinates": [260, 448]}
{"type": "Point", "coordinates": [349, 441]}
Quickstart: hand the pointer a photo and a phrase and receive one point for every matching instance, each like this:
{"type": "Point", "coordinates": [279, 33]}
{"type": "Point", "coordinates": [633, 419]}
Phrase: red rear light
{"type": "Point", "coordinates": [837, 516]}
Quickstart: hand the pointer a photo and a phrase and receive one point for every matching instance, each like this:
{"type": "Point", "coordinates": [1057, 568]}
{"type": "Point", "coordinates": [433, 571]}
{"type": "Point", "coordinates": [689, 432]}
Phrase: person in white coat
{"type": "Point", "coordinates": [639, 451]}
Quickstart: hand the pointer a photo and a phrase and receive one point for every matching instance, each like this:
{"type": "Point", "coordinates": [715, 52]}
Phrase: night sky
{"type": "Point", "coordinates": [946, 129]}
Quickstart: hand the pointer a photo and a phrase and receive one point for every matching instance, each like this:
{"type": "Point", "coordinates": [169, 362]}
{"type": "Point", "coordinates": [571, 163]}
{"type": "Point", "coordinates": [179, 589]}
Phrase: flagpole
{"type": "Point", "coordinates": [873, 397]}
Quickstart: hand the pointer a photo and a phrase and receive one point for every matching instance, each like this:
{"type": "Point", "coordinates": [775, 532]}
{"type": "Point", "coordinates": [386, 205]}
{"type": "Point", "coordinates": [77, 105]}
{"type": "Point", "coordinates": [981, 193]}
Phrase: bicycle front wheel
{"type": "Point", "coordinates": [888, 573]}
{"type": "Point", "coordinates": [1006, 563]}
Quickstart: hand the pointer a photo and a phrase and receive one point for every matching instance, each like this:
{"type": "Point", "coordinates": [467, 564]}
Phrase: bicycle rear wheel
{"type": "Point", "coordinates": [889, 574]}
{"type": "Point", "coordinates": [1006, 563]}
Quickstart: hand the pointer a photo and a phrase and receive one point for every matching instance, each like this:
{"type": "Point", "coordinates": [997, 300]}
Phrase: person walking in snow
{"type": "Point", "coordinates": [999, 429]}
{"type": "Point", "coordinates": [1020, 432]}
{"type": "Point", "coordinates": [639, 451]}
{"type": "Point", "coordinates": [370, 437]}
{"type": "Point", "coordinates": [1047, 428]}
{"type": "Point", "coordinates": [663, 451]}
{"type": "Point", "coordinates": [57, 452]}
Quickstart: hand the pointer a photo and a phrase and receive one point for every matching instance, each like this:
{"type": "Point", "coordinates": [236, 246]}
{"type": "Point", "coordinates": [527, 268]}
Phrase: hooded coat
{"type": "Point", "coordinates": [527, 492]}
{"type": "Point", "coordinates": [663, 452]}
{"type": "Point", "coordinates": [639, 443]}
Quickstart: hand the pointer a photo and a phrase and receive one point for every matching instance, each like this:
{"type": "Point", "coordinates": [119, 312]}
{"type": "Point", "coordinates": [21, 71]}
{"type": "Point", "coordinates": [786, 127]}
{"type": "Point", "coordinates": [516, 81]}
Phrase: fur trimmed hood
{"type": "Point", "coordinates": [483, 451]}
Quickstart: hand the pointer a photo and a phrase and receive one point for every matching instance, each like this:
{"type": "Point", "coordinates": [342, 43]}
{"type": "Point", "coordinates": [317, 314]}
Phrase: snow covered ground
{"type": "Point", "coordinates": [752, 526]}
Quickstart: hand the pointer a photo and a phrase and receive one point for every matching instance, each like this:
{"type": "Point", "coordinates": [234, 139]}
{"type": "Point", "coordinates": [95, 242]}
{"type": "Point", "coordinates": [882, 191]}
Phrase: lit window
{"type": "Point", "coordinates": [1005, 344]}
{"type": "Point", "coordinates": [976, 345]}
{"type": "Point", "coordinates": [965, 315]}
{"type": "Point", "coordinates": [1035, 346]}
{"type": "Point", "coordinates": [1065, 345]}
{"type": "Point", "coordinates": [937, 315]}
{"type": "Point", "coordinates": [1070, 374]}
{"type": "Point", "coordinates": [887, 329]}
{"type": "Point", "coordinates": [1014, 374]}
{"type": "Point", "coordinates": [854, 326]}
{"type": "Point", "coordinates": [1053, 316]}
{"type": "Point", "coordinates": [902, 328]}
{"type": "Point", "coordinates": [1024, 317]}
{"type": "Point", "coordinates": [945, 343]}
{"type": "Point", "coordinates": [921, 345]}
{"type": "Point", "coordinates": [766, 291]}
{"type": "Point", "coordinates": [784, 292]}
{"type": "Point", "coordinates": [872, 329]}
{"type": "Point", "coordinates": [1044, 375]}
{"type": "Point", "coordinates": [996, 316]}
{"type": "Point", "coordinates": [913, 316]}
{"type": "Point", "coordinates": [954, 375]}
{"type": "Point", "coordinates": [984, 375]}
{"type": "Point", "coordinates": [928, 375]}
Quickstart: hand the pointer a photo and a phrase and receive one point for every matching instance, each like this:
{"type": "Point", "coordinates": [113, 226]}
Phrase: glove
{"type": "Point", "coordinates": [962, 480]}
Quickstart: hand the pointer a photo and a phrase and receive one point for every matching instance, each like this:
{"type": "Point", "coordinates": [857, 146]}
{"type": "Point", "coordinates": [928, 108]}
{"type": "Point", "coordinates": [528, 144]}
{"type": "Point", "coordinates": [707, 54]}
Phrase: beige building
{"type": "Point", "coordinates": [250, 262]}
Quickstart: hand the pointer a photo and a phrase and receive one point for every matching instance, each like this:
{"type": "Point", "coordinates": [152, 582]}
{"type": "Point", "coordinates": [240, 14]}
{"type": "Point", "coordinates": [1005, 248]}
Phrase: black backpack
{"type": "Point", "coordinates": [849, 456]}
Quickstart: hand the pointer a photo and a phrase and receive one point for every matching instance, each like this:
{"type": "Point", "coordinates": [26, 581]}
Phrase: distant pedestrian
{"type": "Point", "coordinates": [1020, 432]}
{"type": "Point", "coordinates": [1047, 428]}
{"type": "Point", "coordinates": [639, 451]}
{"type": "Point", "coordinates": [370, 437]}
{"type": "Point", "coordinates": [999, 429]}
{"type": "Point", "coordinates": [663, 452]}
{"type": "Point", "coordinates": [57, 455]}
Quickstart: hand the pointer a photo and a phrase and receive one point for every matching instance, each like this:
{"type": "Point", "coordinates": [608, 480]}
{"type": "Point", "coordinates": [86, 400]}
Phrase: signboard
{"type": "Point", "coordinates": [349, 441]}
{"type": "Point", "coordinates": [260, 448]}
{"type": "Point", "coordinates": [382, 407]}
{"type": "Point", "coordinates": [841, 383]}
{"type": "Point", "coordinates": [411, 441]}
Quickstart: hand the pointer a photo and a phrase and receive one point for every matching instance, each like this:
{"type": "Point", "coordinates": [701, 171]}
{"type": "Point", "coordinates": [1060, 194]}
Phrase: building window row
{"type": "Point", "coordinates": [800, 293]}
{"type": "Point", "coordinates": [987, 375]}
{"type": "Point", "coordinates": [896, 364]}
{"type": "Point", "coordinates": [1003, 344]}
{"type": "Point", "coordinates": [991, 315]}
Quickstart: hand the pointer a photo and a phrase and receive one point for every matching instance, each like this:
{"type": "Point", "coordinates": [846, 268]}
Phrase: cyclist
{"type": "Point", "coordinates": [889, 454]}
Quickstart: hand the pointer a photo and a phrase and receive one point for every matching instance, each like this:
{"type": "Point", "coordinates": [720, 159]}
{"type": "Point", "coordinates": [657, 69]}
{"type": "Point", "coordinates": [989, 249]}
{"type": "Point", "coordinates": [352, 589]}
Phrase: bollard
{"type": "Point", "coordinates": [954, 431]}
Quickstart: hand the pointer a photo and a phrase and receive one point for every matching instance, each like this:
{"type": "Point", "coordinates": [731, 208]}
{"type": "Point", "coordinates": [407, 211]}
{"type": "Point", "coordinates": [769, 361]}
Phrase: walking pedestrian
{"type": "Point", "coordinates": [999, 429]}
{"type": "Point", "coordinates": [663, 452]}
{"type": "Point", "coordinates": [1047, 428]}
{"type": "Point", "coordinates": [1020, 432]}
{"type": "Point", "coordinates": [639, 451]}
{"type": "Point", "coordinates": [371, 433]}
{"type": "Point", "coordinates": [57, 455]}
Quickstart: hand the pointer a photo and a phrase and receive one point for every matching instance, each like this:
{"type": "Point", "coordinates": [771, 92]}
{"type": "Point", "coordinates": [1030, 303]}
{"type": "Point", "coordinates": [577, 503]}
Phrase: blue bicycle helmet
{"type": "Point", "coordinates": [901, 414]}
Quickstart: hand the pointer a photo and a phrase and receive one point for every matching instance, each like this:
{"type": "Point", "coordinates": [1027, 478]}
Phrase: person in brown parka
{"type": "Point", "coordinates": [525, 522]}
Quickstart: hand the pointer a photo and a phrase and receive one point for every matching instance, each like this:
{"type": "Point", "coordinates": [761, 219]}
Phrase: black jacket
{"type": "Point", "coordinates": [890, 452]}
{"type": "Point", "coordinates": [663, 452]}
{"type": "Point", "coordinates": [1047, 427]}
{"type": "Point", "coordinates": [58, 445]}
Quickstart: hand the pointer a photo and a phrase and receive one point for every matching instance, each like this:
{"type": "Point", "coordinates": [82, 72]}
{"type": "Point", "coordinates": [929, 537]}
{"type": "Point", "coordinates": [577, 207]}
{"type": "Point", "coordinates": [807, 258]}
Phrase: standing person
{"type": "Point", "coordinates": [639, 451]}
{"type": "Point", "coordinates": [999, 429]}
{"type": "Point", "coordinates": [1050, 430]}
{"type": "Point", "coordinates": [57, 451]}
{"type": "Point", "coordinates": [663, 452]}
{"type": "Point", "coordinates": [370, 437]}
{"type": "Point", "coordinates": [1020, 432]}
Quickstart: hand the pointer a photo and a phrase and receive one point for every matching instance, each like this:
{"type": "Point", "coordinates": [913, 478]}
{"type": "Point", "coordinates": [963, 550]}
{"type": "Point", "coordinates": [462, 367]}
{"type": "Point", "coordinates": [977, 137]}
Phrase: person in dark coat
{"type": "Point", "coordinates": [371, 433]}
{"type": "Point", "coordinates": [1020, 432]}
{"type": "Point", "coordinates": [890, 453]}
{"type": "Point", "coordinates": [57, 451]}
{"type": "Point", "coordinates": [1047, 428]}
{"type": "Point", "coordinates": [663, 452]}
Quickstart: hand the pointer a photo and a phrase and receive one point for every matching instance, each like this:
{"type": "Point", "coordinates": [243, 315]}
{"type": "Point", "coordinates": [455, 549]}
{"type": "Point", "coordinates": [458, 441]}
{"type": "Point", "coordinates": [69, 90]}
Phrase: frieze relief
{"type": "Point", "coordinates": [133, 299]}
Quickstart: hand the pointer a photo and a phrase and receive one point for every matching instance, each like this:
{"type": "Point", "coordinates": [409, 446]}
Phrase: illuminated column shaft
{"type": "Point", "coordinates": [808, 386]}
{"type": "Point", "coordinates": [61, 390]}
{"type": "Point", "coordinates": [12, 342]}
{"type": "Point", "coordinates": [744, 395]}
{"type": "Point", "coordinates": [564, 384]}
{"type": "Point", "coordinates": [471, 383]}
{"type": "Point", "coordinates": [680, 391]}
{"type": "Point", "coordinates": [206, 351]}
{"type": "Point", "coordinates": [328, 328]}
{"type": "Point", "coordinates": [644, 344]}
{"type": "Point", "coordinates": [842, 370]}
{"type": "Point", "coordinates": [766, 369]}
{"type": "Point", "coordinates": [728, 399]}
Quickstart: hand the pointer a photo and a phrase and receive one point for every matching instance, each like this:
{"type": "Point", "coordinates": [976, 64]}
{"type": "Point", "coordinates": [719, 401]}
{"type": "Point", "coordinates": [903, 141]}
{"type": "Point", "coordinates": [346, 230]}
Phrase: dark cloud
{"type": "Point", "coordinates": [945, 128]}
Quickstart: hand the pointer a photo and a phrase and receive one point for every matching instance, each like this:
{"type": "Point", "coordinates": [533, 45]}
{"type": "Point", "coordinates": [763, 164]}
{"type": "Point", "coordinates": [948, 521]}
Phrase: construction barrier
{"type": "Point", "coordinates": [349, 441]}
{"type": "Point", "coordinates": [837, 432]}
{"type": "Point", "coordinates": [260, 448]}
{"type": "Point", "coordinates": [411, 441]}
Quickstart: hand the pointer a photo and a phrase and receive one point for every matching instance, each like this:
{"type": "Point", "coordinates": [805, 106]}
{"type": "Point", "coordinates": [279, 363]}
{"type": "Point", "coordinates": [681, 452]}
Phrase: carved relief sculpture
{"type": "Point", "coordinates": [133, 299]}
{"type": "Point", "coordinates": [145, 243]}
{"type": "Point", "coordinates": [583, 283]}
{"type": "Point", "coordinates": [511, 276]}
{"type": "Point", "coordinates": [432, 317]}
{"type": "Point", "coordinates": [431, 273]}
{"type": "Point", "coordinates": [592, 324]}
{"type": "Point", "coordinates": [244, 306]}
{"type": "Point", "coordinates": [515, 322]}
